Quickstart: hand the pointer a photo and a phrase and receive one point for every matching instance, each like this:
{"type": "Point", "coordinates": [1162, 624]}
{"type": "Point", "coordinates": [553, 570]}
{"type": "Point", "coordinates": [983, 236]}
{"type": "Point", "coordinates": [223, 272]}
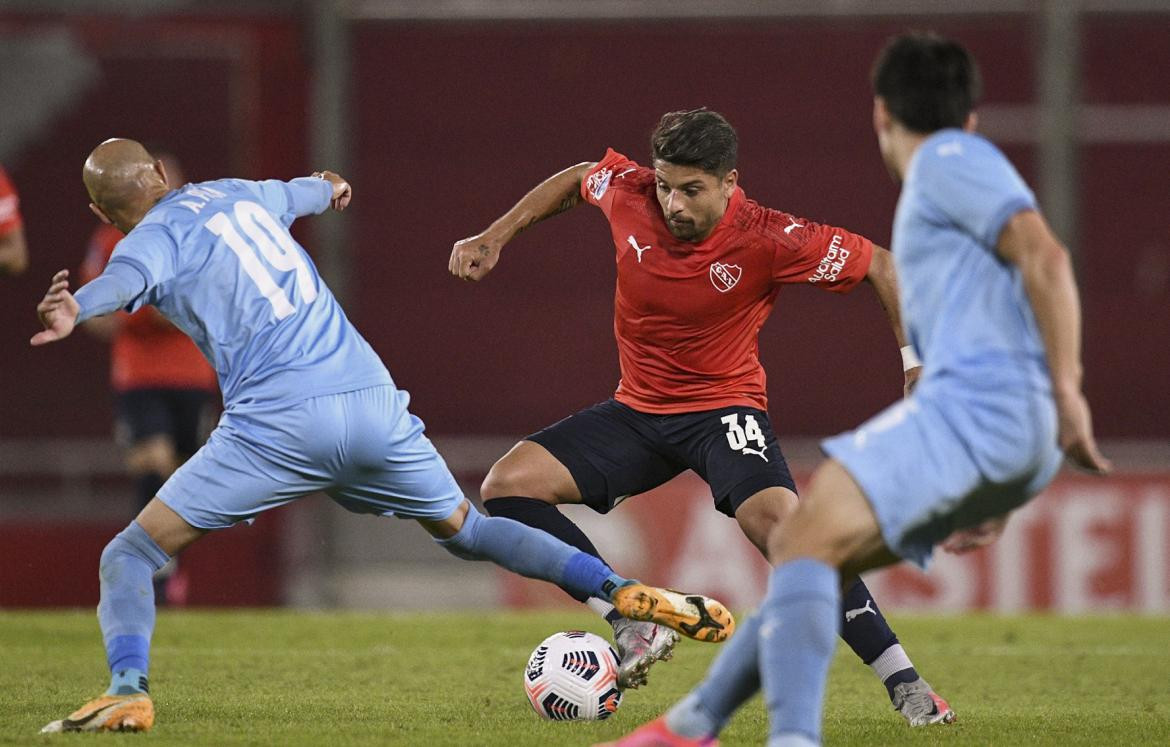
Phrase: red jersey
{"type": "Point", "coordinates": [9, 205]}
{"type": "Point", "coordinates": [687, 316]}
{"type": "Point", "coordinates": [148, 352]}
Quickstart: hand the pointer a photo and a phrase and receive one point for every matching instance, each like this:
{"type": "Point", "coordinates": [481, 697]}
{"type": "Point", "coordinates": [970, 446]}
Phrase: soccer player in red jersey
{"type": "Point", "coordinates": [699, 266]}
{"type": "Point", "coordinates": [163, 389]}
{"type": "Point", "coordinates": [13, 249]}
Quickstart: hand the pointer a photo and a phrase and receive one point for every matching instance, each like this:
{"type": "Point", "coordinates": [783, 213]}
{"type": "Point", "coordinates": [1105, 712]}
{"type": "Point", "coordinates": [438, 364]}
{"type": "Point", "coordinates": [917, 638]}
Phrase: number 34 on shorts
{"type": "Point", "coordinates": [740, 437]}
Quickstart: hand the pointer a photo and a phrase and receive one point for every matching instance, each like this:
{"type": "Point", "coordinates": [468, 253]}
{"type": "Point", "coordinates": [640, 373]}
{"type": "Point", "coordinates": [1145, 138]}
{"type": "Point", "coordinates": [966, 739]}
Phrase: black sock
{"type": "Point", "coordinates": [866, 631]}
{"type": "Point", "coordinates": [544, 516]}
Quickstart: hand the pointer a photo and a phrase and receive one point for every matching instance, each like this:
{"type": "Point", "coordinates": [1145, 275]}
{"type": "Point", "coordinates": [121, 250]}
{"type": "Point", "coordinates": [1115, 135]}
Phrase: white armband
{"type": "Point", "coordinates": [909, 358]}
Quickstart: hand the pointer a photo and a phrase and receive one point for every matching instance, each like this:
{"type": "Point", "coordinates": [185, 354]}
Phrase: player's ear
{"type": "Point", "coordinates": [161, 170]}
{"type": "Point", "coordinates": [972, 122]}
{"type": "Point", "coordinates": [729, 182]}
{"type": "Point", "coordinates": [101, 216]}
{"type": "Point", "coordinates": [881, 115]}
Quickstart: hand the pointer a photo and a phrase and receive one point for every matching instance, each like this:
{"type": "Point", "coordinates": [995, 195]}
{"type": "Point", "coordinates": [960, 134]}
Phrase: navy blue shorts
{"type": "Point", "coordinates": [178, 413]}
{"type": "Point", "coordinates": [614, 451]}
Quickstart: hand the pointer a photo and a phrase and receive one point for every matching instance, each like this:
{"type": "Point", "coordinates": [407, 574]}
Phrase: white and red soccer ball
{"type": "Point", "coordinates": [572, 676]}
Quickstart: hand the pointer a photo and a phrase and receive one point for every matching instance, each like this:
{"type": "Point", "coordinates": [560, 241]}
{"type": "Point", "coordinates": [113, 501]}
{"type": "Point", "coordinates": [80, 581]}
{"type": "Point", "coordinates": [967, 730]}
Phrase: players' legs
{"type": "Point", "coordinates": [834, 528]}
{"type": "Point", "coordinates": [526, 485]}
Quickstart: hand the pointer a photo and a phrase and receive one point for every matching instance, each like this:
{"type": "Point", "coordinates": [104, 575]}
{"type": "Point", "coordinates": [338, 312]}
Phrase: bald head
{"type": "Point", "coordinates": [124, 181]}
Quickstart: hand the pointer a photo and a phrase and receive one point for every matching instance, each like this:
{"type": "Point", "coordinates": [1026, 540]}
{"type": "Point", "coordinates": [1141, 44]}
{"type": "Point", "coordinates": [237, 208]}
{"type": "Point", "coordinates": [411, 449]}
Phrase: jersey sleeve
{"type": "Point", "coordinates": [97, 253]}
{"type": "Point", "coordinates": [10, 219]}
{"type": "Point", "coordinates": [152, 251]}
{"type": "Point", "coordinates": [822, 255]}
{"type": "Point", "coordinates": [973, 185]}
{"type": "Point", "coordinates": [293, 199]}
{"type": "Point", "coordinates": [595, 186]}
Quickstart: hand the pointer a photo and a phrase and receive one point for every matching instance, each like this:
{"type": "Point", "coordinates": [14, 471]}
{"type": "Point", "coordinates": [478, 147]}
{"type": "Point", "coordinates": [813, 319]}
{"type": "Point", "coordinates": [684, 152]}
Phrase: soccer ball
{"type": "Point", "coordinates": [572, 676]}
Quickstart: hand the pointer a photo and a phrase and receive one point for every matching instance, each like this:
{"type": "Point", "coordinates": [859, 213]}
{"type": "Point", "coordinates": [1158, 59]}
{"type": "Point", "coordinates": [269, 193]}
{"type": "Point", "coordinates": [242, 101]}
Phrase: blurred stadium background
{"type": "Point", "coordinates": [444, 112]}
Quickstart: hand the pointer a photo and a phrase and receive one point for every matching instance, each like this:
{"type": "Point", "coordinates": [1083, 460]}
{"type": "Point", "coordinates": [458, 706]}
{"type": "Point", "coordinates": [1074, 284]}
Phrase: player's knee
{"type": "Point", "coordinates": [760, 515]}
{"type": "Point", "coordinates": [508, 479]}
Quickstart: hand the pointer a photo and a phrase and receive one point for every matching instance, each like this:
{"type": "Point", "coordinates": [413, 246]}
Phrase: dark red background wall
{"type": "Point", "coordinates": [454, 122]}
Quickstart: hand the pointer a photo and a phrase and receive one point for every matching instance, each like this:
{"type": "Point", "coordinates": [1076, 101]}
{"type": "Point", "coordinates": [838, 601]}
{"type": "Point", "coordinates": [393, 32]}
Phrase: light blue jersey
{"type": "Point", "coordinates": [978, 437]}
{"type": "Point", "coordinates": [964, 307]}
{"type": "Point", "coordinates": [308, 404]}
{"type": "Point", "coordinates": [218, 261]}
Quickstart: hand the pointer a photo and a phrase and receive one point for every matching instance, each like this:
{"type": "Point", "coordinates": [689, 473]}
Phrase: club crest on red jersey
{"type": "Point", "coordinates": [724, 277]}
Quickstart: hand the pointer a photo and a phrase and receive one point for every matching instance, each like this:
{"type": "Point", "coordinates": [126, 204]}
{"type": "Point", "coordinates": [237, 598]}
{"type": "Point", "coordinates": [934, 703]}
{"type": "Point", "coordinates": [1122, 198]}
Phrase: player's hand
{"type": "Point", "coordinates": [58, 311]}
{"type": "Point", "coordinates": [966, 540]}
{"type": "Point", "coordinates": [342, 192]}
{"type": "Point", "coordinates": [912, 377]}
{"type": "Point", "coordinates": [1076, 434]}
{"type": "Point", "coordinates": [474, 257]}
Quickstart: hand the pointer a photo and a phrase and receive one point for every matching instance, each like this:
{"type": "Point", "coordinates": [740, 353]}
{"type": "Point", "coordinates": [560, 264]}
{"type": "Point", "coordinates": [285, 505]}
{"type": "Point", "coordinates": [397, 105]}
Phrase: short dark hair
{"type": "Point", "coordinates": [698, 138]}
{"type": "Point", "coordinates": [928, 83]}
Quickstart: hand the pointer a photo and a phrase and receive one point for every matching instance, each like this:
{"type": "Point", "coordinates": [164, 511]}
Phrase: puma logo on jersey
{"type": "Point", "coordinates": [749, 450]}
{"type": "Point", "coordinates": [638, 249]}
{"type": "Point", "coordinates": [794, 225]}
{"type": "Point", "coordinates": [851, 614]}
{"type": "Point", "coordinates": [627, 171]}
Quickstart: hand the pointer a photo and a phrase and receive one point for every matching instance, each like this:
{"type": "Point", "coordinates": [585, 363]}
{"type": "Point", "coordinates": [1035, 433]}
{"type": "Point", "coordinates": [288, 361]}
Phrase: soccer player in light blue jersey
{"type": "Point", "coordinates": [990, 304]}
{"type": "Point", "coordinates": [308, 406]}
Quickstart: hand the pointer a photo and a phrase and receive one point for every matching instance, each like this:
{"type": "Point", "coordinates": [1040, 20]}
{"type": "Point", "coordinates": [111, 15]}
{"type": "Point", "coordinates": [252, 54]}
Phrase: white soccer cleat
{"type": "Point", "coordinates": [920, 705]}
{"type": "Point", "coordinates": [639, 645]}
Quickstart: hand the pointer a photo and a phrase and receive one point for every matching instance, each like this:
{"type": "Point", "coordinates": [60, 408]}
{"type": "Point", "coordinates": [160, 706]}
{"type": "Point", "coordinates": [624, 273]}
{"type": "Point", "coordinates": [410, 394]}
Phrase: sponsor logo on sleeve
{"type": "Point", "coordinates": [598, 182]}
{"type": "Point", "coordinates": [832, 263]}
{"type": "Point", "coordinates": [724, 277]}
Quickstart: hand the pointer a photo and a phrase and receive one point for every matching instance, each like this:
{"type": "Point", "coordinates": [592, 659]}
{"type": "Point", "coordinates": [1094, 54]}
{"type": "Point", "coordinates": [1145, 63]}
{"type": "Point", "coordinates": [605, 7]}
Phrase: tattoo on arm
{"type": "Point", "coordinates": [568, 202]}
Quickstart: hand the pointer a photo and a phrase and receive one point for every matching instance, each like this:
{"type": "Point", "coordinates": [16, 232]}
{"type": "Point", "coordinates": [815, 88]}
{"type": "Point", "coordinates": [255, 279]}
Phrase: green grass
{"type": "Point", "coordinates": [259, 677]}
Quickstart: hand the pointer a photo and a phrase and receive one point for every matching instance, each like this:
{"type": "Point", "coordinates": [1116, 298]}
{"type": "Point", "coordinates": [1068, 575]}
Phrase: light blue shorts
{"type": "Point", "coordinates": [363, 448]}
{"type": "Point", "coordinates": [950, 456]}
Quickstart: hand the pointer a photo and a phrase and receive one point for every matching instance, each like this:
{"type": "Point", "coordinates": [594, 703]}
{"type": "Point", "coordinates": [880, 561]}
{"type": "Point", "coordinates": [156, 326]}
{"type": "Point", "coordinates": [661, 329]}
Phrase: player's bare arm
{"type": "Point", "coordinates": [58, 311]}
{"type": "Point", "coordinates": [884, 279]}
{"type": "Point", "coordinates": [474, 257]}
{"type": "Point", "coordinates": [1028, 243]}
{"type": "Point", "coordinates": [13, 252]}
{"type": "Point", "coordinates": [342, 192]}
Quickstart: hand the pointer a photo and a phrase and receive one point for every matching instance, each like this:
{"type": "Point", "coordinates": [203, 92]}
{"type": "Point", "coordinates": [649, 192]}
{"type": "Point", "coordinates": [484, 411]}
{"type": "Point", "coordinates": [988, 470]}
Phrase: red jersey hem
{"type": "Point", "coordinates": [690, 406]}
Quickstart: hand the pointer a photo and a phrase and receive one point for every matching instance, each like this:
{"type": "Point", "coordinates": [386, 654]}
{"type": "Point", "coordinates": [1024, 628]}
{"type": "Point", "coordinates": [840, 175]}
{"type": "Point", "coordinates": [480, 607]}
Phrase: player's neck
{"type": "Point", "coordinates": [139, 212]}
{"type": "Point", "coordinates": [903, 145]}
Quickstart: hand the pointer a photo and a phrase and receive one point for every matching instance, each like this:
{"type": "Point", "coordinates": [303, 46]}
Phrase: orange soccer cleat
{"type": "Point", "coordinates": [693, 615]}
{"type": "Point", "coordinates": [134, 712]}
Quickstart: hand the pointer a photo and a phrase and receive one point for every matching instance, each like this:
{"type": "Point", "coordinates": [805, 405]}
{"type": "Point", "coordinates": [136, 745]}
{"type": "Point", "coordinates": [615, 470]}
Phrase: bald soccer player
{"type": "Point", "coordinates": [308, 406]}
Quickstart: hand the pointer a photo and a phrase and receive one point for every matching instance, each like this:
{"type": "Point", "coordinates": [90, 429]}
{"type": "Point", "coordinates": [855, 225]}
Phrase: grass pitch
{"type": "Point", "coordinates": [289, 678]}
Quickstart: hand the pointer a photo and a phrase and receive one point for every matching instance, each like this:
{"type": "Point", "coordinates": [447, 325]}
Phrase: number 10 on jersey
{"type": "Point", "coordinates": [268, 239]}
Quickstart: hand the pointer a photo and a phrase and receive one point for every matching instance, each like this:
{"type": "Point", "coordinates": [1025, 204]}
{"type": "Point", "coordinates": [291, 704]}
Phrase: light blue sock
{"type": "Point", "coordinates": [532, 553]}
{"type": "Point", "coordinates": [126, 609]}
{"type": "Point", "coordinates": [797, 639]}
{"type": "Point", "coordinates": [733, 678]}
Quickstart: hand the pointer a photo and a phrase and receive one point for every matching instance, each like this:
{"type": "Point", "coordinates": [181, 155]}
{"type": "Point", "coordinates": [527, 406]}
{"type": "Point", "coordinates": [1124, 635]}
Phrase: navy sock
{"type": "Point", "coordinates": [544, 516]}
{"type": "Point", "coordinates": [864, 628]}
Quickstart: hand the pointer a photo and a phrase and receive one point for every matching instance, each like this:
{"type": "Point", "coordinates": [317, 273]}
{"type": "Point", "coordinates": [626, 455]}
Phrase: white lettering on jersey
{"type": "Point", "coordinates": [598, 182]}
{"type": "Point", "coordinates": [638, 249]}
{"type": "Point", "coordinates": [203, 194]}
{"type": "Point", "coordinates": [950, 148]}
{"type": "Point", "coordinates": [832, 263]}
{"type": "Point", "coordinates": [794, 225]}
{"type": "Point", "coordinates": [724, 277]}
